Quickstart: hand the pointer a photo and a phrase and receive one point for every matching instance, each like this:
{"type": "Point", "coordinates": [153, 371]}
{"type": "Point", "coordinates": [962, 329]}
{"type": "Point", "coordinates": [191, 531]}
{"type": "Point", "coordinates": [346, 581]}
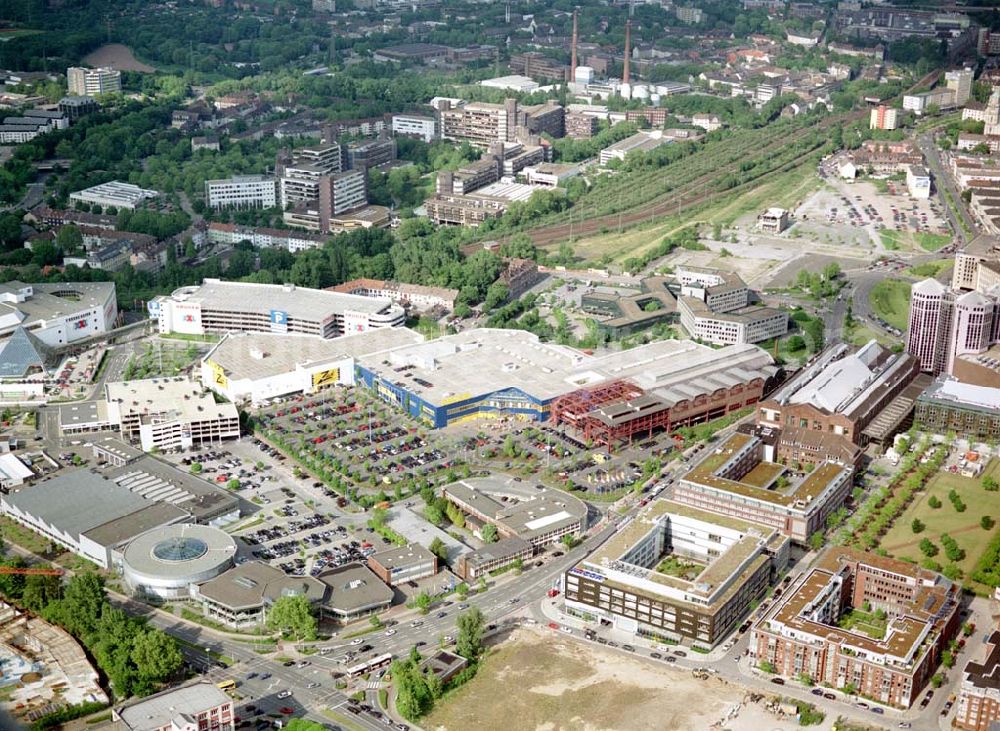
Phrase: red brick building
{"type": "Point", "coordinates": [801, 634]}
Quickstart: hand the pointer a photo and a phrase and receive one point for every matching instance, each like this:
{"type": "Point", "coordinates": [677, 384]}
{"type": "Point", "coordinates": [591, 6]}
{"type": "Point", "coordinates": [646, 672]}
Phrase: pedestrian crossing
{"type": "Point", "coordinates": [374, 684]}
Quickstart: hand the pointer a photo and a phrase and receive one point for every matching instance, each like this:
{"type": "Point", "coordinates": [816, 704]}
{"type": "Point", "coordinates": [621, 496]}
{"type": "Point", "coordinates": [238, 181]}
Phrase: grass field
{"type": "Point", "coordinates": [785, 192]}
{"type": "Point", "coordinates": [964, 527]}
{"type": "Point", "coordinates": [859, 335]}
{"type": "Point", "coordinates": [890, 300]}
{"type": "Point", "coordinates": [932, 242]}
{"type": "Point", "coordinates": [913, 240]}
{"type": "Point", "coordinates": [930, 268]}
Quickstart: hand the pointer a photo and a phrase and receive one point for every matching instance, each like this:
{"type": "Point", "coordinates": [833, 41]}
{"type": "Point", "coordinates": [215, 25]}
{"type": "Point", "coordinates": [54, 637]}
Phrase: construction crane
{"type": "Point", "coordinates": [30, 572]}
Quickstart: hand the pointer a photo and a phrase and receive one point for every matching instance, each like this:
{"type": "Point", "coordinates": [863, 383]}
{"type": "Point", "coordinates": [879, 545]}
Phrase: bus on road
{"type": "Point", "coordinates": [370, 666]}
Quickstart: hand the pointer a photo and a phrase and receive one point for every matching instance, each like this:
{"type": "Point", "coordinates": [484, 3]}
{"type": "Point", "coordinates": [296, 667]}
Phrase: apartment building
{"type": "Point", "coordinates": [416, 126]}
{"type": "Point", "coordinates": [242, 192]}
{"type": "Point", "coordinates": [883, 117]}
{"type": "Point", "coordinates": [736, 480]}
{"type": "Point", "coordinates": [338, 194]}
{"type": "Point", "coordinates": [364, 155]}
{"type": "Point", "coordinates": [93, 82]}
{"type": "Point", "coordinates": [417, 296]}
{"type": "Point", "coordinates": [800, 634]}
{"type": "Point", "coordinates": [978, 706]}
{"type": "Point", "coordinates": [675, 572]}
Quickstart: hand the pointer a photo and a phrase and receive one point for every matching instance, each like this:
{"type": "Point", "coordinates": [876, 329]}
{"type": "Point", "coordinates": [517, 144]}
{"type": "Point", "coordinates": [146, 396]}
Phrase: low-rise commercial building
{"type": "Point", "coordinates": [255, 367]}
{"type": "Point", "coordinates": [845, 392]}
{"type": "Point", "coordinates": [201, 707]}
{"type": "Point", "coordinates": [405, 563]}
{"type": "Point", "coordinates": [948, 405]}
{"type": "Point", "coordinates": [639, 142]}
{"type": "Point", "coordinates": [745, 325]}
{"type": "Point", "coordinates": [242, 596]}
{"type": "Point", "coordinates": [536, 514]}
{"type": "Point", "coordinates": [493, 557]}
{"type": "Point", "coordinates": [216, 306]}
{"type": "Point", "coordinates": [353, 591]}
{"type": "Point", "coordinates": [115, 195]}
{"type": "Point", "coordinates": [736, 480]}
{"type": "Point", "coordinates": [417, 296]}
{"type": "Point", "coordinates": [677, 573]}
{"type": "Point", "coordinates": [165, 562]}
{"type": "Point", "coordinates": [803, 633]}
{"type": "Point", "coordinates": [918, 182]}
{"type": "Point", "coordinates": [58, 314]}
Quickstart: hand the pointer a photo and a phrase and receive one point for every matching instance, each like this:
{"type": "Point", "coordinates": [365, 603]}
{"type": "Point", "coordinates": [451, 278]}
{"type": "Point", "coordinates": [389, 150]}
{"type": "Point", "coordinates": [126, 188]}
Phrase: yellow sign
{"type": "Point", "coordinates": [218, 375]}
{"type": "Point", "coordinates": [455, 398]}
{"type": "Point", "coordinates": [326, 378]}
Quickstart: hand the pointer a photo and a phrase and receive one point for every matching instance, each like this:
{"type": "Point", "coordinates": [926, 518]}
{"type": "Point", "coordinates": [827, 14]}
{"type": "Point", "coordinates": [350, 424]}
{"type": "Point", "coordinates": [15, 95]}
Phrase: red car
{"type": "Point", "coordinates": [287, 710]}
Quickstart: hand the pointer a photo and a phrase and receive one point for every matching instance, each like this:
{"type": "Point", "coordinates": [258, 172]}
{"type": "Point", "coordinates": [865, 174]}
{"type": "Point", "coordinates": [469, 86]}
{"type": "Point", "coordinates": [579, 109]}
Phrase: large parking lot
{"type": "Point", "coordinates": [862, 213]}
{"type": "Point", "coordinates": [363, 444]}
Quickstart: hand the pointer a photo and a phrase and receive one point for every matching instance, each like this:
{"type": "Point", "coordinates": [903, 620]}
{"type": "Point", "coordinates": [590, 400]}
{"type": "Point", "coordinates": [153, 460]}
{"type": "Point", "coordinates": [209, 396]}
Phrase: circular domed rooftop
{"type": "Point", "coordinates": [165, 561]}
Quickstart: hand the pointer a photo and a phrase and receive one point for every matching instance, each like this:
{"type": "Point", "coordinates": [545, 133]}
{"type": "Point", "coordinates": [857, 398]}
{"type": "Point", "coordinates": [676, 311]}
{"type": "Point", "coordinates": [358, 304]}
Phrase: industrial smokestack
{"type": "Point", "coordinates": [628, 49]}
{"type": "Point", "coordinates": [572, 61]}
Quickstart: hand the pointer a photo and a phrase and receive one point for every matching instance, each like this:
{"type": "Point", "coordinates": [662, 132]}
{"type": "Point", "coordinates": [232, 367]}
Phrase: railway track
{"type": "Point", "coordinates": [700, 190]}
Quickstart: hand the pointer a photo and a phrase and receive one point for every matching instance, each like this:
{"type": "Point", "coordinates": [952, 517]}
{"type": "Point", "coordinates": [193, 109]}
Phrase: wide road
{"type": "Point", "coordinates": [944, 182]}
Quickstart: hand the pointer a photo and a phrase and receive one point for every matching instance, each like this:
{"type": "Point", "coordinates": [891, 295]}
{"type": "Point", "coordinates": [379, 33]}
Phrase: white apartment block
{"type": "Point", "coordinates": [918, 182]}
{"type": "Point", "coordinates": [415, 125]}
{"type": "Point", "coordinates": [93, 82]}
{"type": "Point", "coordinates": [242, 191]}
{"type": "Point", "coordinates": [348, 191]}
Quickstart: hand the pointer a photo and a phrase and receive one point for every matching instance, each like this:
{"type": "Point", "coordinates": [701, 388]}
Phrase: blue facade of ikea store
{"type": "Point", "coordinates": [509, 401]}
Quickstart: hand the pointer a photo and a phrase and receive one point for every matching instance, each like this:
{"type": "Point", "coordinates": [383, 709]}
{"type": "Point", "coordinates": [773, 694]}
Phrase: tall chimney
{"type": "Point", "coordinates": [628, 49]}
{"type": "Point", "coordinates": [572, 62]}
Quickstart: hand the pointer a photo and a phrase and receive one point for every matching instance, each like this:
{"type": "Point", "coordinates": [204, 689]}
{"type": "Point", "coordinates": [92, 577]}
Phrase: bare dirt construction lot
{"type": "Point", "coordinates": [117, 56]}
{"type": "Point", "coordinates": [540, 681]}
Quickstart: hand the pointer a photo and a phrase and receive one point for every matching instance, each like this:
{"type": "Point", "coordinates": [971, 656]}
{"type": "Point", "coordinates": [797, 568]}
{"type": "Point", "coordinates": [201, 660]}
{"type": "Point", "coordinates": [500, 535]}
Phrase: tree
{"type": "Point", "coordinates": [471, 625]}
{"type": "Point", "coordinates": [816, 540]}
{"type": "Point", "coordinates": [374, 620]}
{"type": "Point", "coordinates": [928, 548]}
{"type": "Point", "coordinates": [990, 484]}
{"type": "Point", "coordinates": [806, 679]}
{"type": "Point", "coordinates": [304, 724]}
{"type": "Point", "coordinates": [40, 591]}
{"type": "Point", "coordinates": [423, 602]}
{"type": "Point", "coordinates": [463, 590]}
{"type": "Point", "coordinates": [917, 526]}
{"type": "Point", "coordinates": [82, 603]}
{"type": "Point", "coordinates": [156, 655]}
{"type": "Point", "coordinates": [937, 680]}
{"type": "Point", "coordinates": [293, 615]}
{"type": "Point", "coordinates": [196, 468]}
{"type": "Point", "coordinates": [488, 533]}
{"type": "Point", "coordinates": [496, 295]}
{"type": "Point", "coordinates": [934, 502]}
{"type": "Point", "coordinates": [69, 239]}
{"type": "Point", "coordinates": [438, 548]}
{"type": "Point", "coordinates": [767, 666]}
{"type": "Point", "coordinates": [986, 522]}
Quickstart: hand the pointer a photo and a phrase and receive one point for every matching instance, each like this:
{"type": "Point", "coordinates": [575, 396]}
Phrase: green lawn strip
{"type": "Point", "coordinates": [890, 299]}
{"type": "Point", "coordinates": [932, 242]}
{"type": "Point", "coordinates": [224, 659]}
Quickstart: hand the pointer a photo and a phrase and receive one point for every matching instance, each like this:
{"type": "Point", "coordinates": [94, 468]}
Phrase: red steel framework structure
{"type": "Point", "coordinates": [616, 412]}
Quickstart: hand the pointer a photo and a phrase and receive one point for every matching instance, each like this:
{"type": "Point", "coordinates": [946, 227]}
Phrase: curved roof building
{"type": "Point", "coordinates": [164, 562]}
